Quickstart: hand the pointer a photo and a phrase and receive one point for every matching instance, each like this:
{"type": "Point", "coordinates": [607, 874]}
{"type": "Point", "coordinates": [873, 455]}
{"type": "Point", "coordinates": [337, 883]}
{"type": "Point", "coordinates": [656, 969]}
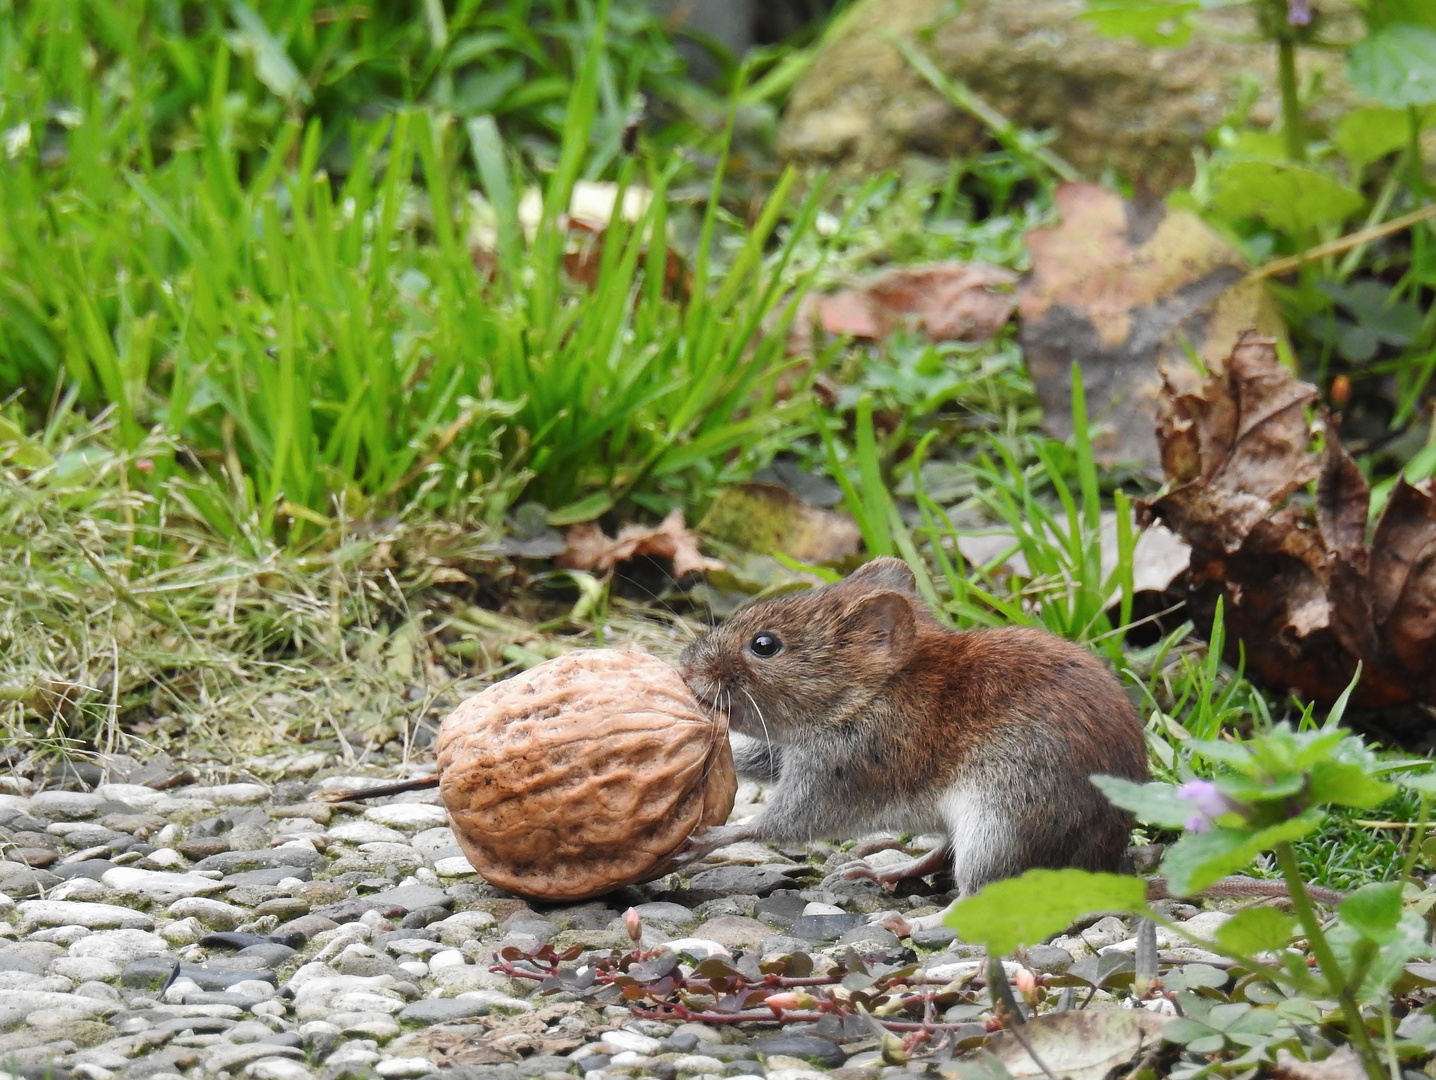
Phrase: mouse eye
{"type": "Point", "coordinates": [765, 645]}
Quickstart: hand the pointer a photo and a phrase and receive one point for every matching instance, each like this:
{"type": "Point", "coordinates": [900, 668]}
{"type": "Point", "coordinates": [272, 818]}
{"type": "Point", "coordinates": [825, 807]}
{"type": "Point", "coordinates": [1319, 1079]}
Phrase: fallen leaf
{"type": "Point", "coordinates": [590, 549]}
{"type": "Point", "coordinates": [1124, 289]}
{"type": "Point", "coordinates": [1341, 1064]}
{"type": "Point", "coordinates": [767, 517]}
{"type": "Point", "coordinates": [509, 1038]}
{"type": "Point", "coordinates": [1304, 594]}
{"type": "Point", "coordinates": [1081, 1044]}
{"type": "Point", "coordinates": [946, 301]}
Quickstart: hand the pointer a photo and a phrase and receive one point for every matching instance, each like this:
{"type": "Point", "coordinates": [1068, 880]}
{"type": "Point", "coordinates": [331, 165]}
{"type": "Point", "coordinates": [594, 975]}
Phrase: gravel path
{"type": "Point", "coordinates": [242, 930]}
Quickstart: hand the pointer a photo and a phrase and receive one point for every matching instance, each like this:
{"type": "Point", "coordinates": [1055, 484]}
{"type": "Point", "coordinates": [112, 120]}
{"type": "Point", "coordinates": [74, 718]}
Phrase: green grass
{"type": "Point", "coordinates": [324, 342]}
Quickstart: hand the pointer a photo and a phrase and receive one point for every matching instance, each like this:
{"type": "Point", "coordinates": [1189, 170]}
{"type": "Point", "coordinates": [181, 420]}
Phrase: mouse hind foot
{"type": "Point", "coordinates": [938, 859]}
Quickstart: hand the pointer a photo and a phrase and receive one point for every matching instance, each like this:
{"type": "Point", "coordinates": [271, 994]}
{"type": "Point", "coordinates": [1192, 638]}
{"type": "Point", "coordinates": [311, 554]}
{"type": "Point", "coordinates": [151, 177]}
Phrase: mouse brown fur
{"type": "Point", "coordinates": [868, 714]}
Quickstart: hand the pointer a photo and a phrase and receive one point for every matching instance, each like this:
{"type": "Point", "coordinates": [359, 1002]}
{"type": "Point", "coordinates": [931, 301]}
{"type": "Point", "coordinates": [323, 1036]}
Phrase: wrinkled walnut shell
{"type": "Point", "coordinates": [583, 774]}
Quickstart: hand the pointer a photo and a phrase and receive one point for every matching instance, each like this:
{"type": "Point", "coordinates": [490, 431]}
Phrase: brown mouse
{"type": "Point", "coordinates": [869, 714]}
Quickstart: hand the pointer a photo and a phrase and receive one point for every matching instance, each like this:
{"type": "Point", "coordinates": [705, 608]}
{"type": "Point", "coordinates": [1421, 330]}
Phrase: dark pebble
{"type": "Point", "coordinates": [297, 931]}
{"type": "Point", "coordinates": [781, 908]}
{"type": "Point", "coordinates": [727, 880]}
{"type": "Point", "coordinates": [200, 1025]}
{"type": "Point", "coordinates": [267, 953]}
{"type": "Point", "coordinates": [38, 1070]}
{"type": "Point", "coordinates": [440, 1010]}
{"type": "Point", "coordinates": [594, 1061]}
{"type": "Point", "coordinates": [825, 927]}
{"type": "Point", "coordinates": [664, 1070]}
{"type": "Point", "coordinates": [419, 917]}
{"type": "Point", "coordinates": [231, 863]}
{"type": "Point", "coordinates": [283, 908]}
{"type": "Point", "coordinates": [1049, 959]}
{"type": "Point", "coordinates": [744, 1067]}
{"type": "Point", "coordinates": [19, 821]}
{"type": "Point", "coordinates": [321, 1044]}
{"type": "Point", "coordinates": [349, 910]}
{"type": "Point", "coordinates": [22, 882]}
{"type": "Point", "coordinates": [152, 972]}
{"type": "Point", "coordinates": [232, 939]}
{"type": "Point", "coordinates": [36, 857]}
{"type": "Point", "coordinates": [680, 1044]}
{"type": "Point", "coordinates": [203, 848]}
{"type": "Point", "coordinates": [937, 937]}
{"type": "Point", "coordinates": [811, 1048]}
{"type": "Point", "coordinates": [283, 1038]}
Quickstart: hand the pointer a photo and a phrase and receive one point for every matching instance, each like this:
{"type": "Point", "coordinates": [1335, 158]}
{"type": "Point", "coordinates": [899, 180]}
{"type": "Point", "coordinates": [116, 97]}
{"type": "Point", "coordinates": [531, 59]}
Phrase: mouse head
{"type": "Point", "coordinates": [813, 658]}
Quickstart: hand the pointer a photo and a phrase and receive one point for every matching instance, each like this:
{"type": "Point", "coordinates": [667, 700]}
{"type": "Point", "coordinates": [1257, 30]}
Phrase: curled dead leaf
{"type": "Point", "coordinates": [590, 549]}
{"type": "Point", "coordinates": [1302, 589]}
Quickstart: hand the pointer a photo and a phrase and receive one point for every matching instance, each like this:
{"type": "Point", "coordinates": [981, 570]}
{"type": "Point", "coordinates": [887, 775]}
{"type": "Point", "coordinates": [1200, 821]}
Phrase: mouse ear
{"type": "Point", "coordinates": [885, 573]}
{"type": "Point", "coordinates": [882, 623]}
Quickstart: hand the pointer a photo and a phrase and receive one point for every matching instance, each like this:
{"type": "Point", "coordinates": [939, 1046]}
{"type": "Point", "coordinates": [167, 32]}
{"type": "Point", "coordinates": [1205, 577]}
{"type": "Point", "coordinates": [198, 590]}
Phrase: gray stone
{"type": "Point", "coordinates": [1048, 959]}
{"type": "Point", "coordinates": [65, 805]}
{"type": "Point", "coordinates": [934, 937]}
{"type": "Point", "coordinates": [722, 881]}
{"type": "Point", "coordinates": [76, 913]}
{"type": "Point", "coordinates": [230, 862]}
{"type": "Point", "coordinates": [442, 1010]}
{"type": "Point", "coordinates": [812, 1048]}
{"type": "Point", "coordinates": [413, 897]}
{"type": "Point", "coordinates": [120, 946]}
{"type": "Point", "coordinates": [157, 885]}
{"type": "Point", "coordinates": [1113, 103]}
{"type": "Point", "coordinates": [825, 927]}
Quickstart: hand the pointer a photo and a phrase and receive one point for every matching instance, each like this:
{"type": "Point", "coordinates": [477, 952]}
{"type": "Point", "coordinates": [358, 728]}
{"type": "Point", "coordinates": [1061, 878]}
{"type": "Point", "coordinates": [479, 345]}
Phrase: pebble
{"type": "Point", "coordinates": [183, 934]}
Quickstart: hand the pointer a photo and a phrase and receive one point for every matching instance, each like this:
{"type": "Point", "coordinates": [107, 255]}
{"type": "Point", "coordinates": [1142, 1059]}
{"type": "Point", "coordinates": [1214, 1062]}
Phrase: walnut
{"type": "Point", "coordinates": [583, 774]}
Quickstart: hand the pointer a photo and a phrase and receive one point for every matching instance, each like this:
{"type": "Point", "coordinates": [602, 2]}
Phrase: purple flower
{"type": "Point", "coordinates": [1207, 801]}
{"type": "Point", "coordinates": [1298, 12]}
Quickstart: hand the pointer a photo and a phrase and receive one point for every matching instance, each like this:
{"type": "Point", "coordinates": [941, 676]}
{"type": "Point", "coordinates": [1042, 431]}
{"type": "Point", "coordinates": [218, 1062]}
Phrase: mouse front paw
{"type": "Point", "coordinates": [708, 840]}
{"type": "Point", "coordinates": [931, 863]}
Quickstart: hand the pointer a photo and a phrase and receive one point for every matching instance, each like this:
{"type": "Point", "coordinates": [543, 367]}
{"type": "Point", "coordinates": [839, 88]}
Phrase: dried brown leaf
{"type": "Point", "coordinates": [1124, 289]}
{"type": "Point", "coordinates": [1302, 590]}
{"type": "Point", "coordinates": [589, 549]}
{"type": "Point", "coordinates": [947, 301]}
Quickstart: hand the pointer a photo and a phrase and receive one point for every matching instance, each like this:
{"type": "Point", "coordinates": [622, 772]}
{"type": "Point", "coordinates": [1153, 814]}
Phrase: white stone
{"type": "Point", "coordinates": [64, 805]}
{"type": "Point", "coordinates": [74, 913]}
{"type": "Point", "coordinates": [271, 1007]}
{"type": "Point", "coordinates": [404, 1066]}
{"type": "Point", "coordinates": [136, 795]}
{"type": "Point", "coordinates": [697, 1065]}
{"type": "Point", "coordinates": [354, 1052]}
{"type": "Point", "coordinates": [211, 912]}
{"type": "Point", "coordinates": [317, 1027]}
{"type": "Point", "coordinates": [815, 908]}
{"type": "Point", "coordinates": [1105, 931]}
{"type": "Point", "coordinates": [446, 959]}
{"type": "Point", "coordinates": [366, 1001]}
{"type": "Point", "coordinates": [85, 968]}
{"type": "Point", "coordinates": [33, 1001]}
{"type": "Point", "coordinates": [120, 946]}
{"type": "Point", "coordinates": [255, 989]}
{"type": "Point", "coordinates": [697, 947]}
{"type": "Point", "coordinates": [963, 969]}
{"type": "Point", "coordinates": [623, 1039]}
{"type": "Point", "coordinates": [381, 1027]}
{"type": "Point", "coordinates": [87, 1071]}
{"type": "Point", "coordinates": [416, 968]}
{"type": "Point", "coordinates": [408, 816]}
{"type": "Point", "coordinates": [181, 988]}
{"type": "Point", "coordinates": [278, 1068]}
{"type": "Point", "coordinates": [168, 856]}
{"type": "Point", "coordinates": [414, 947]}
{"type": "Point", "coordinates": [24, 980]}
{"type": "Point", "coordinates": [432, 841]}
{"type": "Point", "coordinates": [365, 832]}
{"type": "Point", "coordinates": [61, 935]}
{"type": "Point", "coordinates": [183, 806]}
{"type": "Point", "coordinates": [793, 1074]}
{"type": "Point", "coordinates": [182, 932]}
{"type": "Point", "coordinates": [230, 794]}
{"type": "Point", "coordinates": [498, 1002]}
{"type": "Point", "coordinates": [453, 866]}
{"type": "Point", "coordinates": [78, 888]}
{"type": "Point", "coordinates": [626, 1059]}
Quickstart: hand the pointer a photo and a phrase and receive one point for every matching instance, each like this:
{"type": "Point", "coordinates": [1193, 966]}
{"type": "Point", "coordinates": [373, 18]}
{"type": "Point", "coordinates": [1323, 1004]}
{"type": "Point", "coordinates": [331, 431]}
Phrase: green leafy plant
{"type": "Point", "coordinates": [1267, 792]}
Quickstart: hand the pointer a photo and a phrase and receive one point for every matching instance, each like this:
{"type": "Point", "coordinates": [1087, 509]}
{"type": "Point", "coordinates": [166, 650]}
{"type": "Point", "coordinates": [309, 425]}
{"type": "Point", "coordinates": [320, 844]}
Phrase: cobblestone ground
{"type": "Point", "coordinates": [246, 930]}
